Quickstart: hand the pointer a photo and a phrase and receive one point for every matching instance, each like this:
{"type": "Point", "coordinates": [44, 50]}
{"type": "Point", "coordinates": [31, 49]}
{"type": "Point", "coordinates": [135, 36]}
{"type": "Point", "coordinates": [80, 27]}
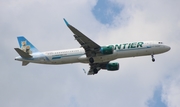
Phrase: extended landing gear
{"type": "Point", "coordinates": [95, 71]}
{"type": "Point", "coordinates": [91, 60]}
{"type": "Point", "coordinates": [153, 59]}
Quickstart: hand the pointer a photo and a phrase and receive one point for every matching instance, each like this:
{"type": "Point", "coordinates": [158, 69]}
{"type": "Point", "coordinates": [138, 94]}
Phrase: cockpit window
{"type": "Point", "coordinates": [160, 42]}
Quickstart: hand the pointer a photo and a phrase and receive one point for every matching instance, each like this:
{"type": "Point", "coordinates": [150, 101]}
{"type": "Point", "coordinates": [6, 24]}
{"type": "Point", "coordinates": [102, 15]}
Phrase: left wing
{"type": "Point", "coordinates": [90, 47]}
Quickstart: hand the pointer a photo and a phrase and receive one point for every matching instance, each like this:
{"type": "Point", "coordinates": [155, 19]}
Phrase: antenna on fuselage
{"type": "Point", "coordinates": [84, 71]}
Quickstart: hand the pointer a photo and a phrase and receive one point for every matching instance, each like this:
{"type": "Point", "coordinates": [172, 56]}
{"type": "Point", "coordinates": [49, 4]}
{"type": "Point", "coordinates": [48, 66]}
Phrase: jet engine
{"type": "Point", "coordinates": [105, 50]}
{"type": "Point", "coordinates": [112, 66]}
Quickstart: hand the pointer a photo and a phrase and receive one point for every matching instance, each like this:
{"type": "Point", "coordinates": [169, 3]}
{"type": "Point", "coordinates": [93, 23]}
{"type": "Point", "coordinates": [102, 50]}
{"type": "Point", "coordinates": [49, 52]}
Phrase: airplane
{"type": "Point", "coordinates": [98, 57]}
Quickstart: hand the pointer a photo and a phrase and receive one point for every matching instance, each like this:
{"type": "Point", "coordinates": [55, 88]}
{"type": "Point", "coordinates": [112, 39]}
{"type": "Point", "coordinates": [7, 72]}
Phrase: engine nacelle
{"type": "Point", "coordinates": [107, 50]}
{"type": "Point", "coordinates": [112, 66]}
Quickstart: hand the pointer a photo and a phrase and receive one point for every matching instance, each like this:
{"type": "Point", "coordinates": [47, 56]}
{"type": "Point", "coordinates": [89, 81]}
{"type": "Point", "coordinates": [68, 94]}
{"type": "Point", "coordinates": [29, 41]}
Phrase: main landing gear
{"type": "Point", "coordinates": [95, 71]}
{"type": "Point", "coordinates": [153, 59]}
{"type": "Point", "coordinates": [91, 61]}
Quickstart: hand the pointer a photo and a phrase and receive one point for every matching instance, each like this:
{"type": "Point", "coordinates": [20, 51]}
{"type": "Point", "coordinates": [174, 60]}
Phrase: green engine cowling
{"type": "Point", "coordinates": [112, 66]}
{"type": "Point", "coordinates": [107, 50]}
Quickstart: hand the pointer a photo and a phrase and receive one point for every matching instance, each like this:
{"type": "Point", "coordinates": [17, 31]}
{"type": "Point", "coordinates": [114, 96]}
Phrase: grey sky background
{"type": "Point", "coordinates": [138, 83]}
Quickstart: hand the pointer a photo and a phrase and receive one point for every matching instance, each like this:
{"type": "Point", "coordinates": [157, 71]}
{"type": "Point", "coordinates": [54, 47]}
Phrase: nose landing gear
{"type": "Point", "coordinates": [153, 59]}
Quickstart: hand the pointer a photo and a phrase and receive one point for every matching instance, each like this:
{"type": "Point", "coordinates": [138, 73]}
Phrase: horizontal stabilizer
{"type": "Point", "coordinates": [22, 53]}
{"type": "Point", "coordinates": [24, 63]}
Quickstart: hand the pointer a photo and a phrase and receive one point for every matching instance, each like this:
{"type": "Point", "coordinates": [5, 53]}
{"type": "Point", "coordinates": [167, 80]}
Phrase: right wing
{"type": "Point", "coordinates": [90, 47]}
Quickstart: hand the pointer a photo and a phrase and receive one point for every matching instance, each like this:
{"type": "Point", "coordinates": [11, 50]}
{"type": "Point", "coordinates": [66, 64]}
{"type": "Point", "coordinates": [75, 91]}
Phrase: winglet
{"type": "Point", "coordinates": [66, 22]}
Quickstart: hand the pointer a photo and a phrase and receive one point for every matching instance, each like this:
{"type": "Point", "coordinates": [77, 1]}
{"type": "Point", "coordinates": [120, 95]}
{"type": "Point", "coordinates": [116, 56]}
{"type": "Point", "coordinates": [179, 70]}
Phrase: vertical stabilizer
{"type": "Point", "coordinates": [26, 46]}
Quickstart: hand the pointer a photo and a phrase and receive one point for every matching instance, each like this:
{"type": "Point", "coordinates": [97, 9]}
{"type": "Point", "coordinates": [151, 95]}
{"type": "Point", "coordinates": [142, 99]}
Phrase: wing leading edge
{"type": "Point", "coordinates": [90, 47]}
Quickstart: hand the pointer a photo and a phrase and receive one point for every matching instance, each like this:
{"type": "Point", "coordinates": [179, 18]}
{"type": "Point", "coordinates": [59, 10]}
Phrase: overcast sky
{"type": "Point", "coordinates": [138, 83]}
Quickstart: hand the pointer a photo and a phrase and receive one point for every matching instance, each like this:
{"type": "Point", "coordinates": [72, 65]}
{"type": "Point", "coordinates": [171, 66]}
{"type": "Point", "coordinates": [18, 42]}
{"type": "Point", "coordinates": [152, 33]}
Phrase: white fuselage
{"type": "Point", "coordinates": [132, 49]}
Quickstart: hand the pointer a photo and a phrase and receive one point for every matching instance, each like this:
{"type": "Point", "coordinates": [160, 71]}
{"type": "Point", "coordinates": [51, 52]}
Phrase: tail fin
{"type": "Point", "coordinates": [26, 46]}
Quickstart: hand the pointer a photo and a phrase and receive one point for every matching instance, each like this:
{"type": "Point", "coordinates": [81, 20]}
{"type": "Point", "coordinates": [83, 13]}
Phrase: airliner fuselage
{"type": "Point", "coordinates": [77, 55]}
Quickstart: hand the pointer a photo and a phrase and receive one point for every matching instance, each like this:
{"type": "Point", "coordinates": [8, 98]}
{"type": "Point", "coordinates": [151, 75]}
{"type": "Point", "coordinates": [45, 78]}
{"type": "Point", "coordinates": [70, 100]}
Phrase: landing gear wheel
{"type": "Point", "coordinates": [153, 59]}
{"type": "Point", "coordinates": [91, 60]}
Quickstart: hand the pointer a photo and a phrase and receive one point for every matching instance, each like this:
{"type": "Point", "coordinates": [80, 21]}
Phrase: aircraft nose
{"type": "Point", "coordinates": [167, 48]}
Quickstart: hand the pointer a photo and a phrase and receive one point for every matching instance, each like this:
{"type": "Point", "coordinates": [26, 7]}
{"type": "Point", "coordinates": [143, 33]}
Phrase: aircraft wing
{"type": "Point", "coordinates": [95, 67]}
{"type": "Point", "coordinates": [90, 47]}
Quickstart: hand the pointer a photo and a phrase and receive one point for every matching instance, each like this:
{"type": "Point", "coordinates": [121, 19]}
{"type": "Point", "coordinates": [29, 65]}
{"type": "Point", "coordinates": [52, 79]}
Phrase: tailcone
{"type": "Point", "coordinates": [18, 58]}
